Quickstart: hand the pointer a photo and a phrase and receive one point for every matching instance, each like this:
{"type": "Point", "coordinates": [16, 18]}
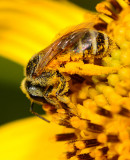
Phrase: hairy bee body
{"type": "Point", "coordinates": [47, 85]}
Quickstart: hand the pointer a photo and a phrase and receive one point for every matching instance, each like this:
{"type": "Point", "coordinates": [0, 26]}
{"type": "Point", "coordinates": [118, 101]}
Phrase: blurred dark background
{"type": "Point", "coordinates": [13, 103]}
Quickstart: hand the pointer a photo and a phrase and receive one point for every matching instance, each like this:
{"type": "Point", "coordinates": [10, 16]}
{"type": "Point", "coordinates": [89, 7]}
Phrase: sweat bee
{"type": "Point", "coordinates": [44, 83]}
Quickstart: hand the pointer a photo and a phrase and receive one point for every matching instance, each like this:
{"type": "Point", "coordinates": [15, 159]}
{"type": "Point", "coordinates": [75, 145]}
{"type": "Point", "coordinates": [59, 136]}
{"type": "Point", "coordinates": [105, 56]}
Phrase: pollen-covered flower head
{"type": "Point", "coordinates": [83, 82]}
{"type": "Point", "coordinates": [97, 111]}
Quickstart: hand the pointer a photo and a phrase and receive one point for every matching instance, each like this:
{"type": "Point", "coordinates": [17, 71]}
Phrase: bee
{"type": "Point", "coordinates": [44, 83]}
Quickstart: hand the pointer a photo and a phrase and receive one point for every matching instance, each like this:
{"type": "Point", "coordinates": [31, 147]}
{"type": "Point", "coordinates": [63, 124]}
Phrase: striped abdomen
{"type": "Point", "coordinates": [92, 43]}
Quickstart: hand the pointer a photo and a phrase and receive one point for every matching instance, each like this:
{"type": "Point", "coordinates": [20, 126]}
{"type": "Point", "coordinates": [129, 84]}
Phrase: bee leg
{"type": "Point", "coordinates": [36, 114]}
{"type": "Point", "coordinates": [63, 88]}
{"type": "Point", "coordinates": [63, 99]}
{"type": "Point", "coordinates": [49, 97]}
{"type": "Point", "coordinates": [62, 84]}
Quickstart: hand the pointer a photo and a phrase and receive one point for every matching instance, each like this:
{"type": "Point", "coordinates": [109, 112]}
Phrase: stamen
{"type": "Point", "coordinates": [112, 15]}
{"type": "Point", "coordinates": [85, 157]}
{"type": "Point", "coordinates": [116, 5]}
{"type": "Point", "coordinates": [100, 26]}
{"type": "Point", "coordinates": [104, 112]}
{"type": "Point", "coordinates": [65, 137]}
{"type": "Point", "coordinates": [65, 123]}
{"type": "Point", "coordinates": [87, 143]}
{"type": "Point", "coordinates": [70, 154]}
{"type": "Point", "coordinates": [91, 143]}
{"type": "Point", "coordinates": [105, 18]}
{"type": "Point", "coordinates": [104, 150]}
{"type": "Point", "coordinates": [114, 158]}
{"type": "Point", "coordinates": [95, 128]}
{"type": "Point", "coordinates": [71, 146]}
{"type": "Point", "coordinates": [78, 123]}
{"type": "Point", "coordinates": [102, 138]}
{"type": "Point", "coordinates": [124, 112]}
{"type": "Point", "coordinates": [79, 144]}
{"type": "Point", "coordinates": [112, 138]}
{"type": "Point", "coordinates": [106, 10]}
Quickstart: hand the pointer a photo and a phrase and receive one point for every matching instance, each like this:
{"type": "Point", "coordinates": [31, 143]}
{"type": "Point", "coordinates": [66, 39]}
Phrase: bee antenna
{"type": "Point", "coordinates": [36, 114]}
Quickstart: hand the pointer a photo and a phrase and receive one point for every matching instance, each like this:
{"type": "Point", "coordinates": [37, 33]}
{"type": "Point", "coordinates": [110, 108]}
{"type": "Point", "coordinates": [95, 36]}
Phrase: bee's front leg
{"type": "Point", "coordinates": [36, 114]}
{"type": "Point", "coordinates": [63, 88]}
{"type": "Point", "coordinates": [49, 97]}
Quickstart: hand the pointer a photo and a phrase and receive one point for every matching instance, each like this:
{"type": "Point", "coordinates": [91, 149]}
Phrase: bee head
{"type": "Point", "coordinates": [33, 92]}
{"type": "Point", "coordinates": [43, 89]}
{"type": "Point", "coordinates": [32, 65]}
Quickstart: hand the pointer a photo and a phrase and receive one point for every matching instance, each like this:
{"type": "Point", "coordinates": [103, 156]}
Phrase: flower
{"type": "Point", "coordinates": [96, 120]}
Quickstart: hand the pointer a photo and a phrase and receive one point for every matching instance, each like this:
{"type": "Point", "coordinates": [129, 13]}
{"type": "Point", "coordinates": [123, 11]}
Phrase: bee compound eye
{"type": "Point", "coordinates": [36, 92]}
{"type": "Point", "coordinates": [32, 65]}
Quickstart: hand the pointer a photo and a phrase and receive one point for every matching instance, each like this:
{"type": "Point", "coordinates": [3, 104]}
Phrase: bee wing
{"type": "Point", "coordinates": [74, 28]}
{"type": "Point", "coordinates": [44, 57]}
{"type": "Point", "coordinates": [59, 46]}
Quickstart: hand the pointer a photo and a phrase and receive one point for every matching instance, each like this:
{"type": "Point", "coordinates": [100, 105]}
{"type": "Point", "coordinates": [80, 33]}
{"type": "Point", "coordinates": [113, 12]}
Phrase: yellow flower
{"type": "Point", "coordinates": [29, 139]}
{"type": "Point", "coordinates": [96, 120]}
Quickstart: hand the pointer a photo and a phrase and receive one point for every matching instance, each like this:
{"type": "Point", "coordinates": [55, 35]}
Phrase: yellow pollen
{"type": "Point", "coordinates": [124, 136]}
{"type": "Point", "coordinates": [70, 148]}
{"type": "Point", "coordinates": [74, 158]}
{"type": "Point", "coordinates": [101, 7]}
{"type": "Point", "coordinates": [80, 144]}
{"type": "Point", "coordinates": [102, 138]}
{"type": "Point", "coordinates": [92, 93]}
{"type": "Point", "coordinates": [100, 100]}
{"type": "Point", "coordinates": [90, 104]}
{"type": "Point", "coordinates": [115, 108]}
{"type": "Point", "coordinates": [113, 79]}
{"type": "Point", "coordinates": [61, 110]}
{"type": "Point", "coordinates": [124, 57]}
{"type": "Point", "coordinates": [124, 73]}
{"type": "Point", "coordinates": [77, 123]}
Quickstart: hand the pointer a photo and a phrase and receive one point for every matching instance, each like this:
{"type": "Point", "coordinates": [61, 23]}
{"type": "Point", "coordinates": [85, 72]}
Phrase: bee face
{"type": "Point", "coordinates": [39, 88]}
{"type": "Point", "coordinates": [36, 92]}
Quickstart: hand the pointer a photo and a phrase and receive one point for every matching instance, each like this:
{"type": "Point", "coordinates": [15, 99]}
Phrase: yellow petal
{"type": "Point", "coordinates": [29, 139]}
{"type": "Point", "coordinates": [29, 26]}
